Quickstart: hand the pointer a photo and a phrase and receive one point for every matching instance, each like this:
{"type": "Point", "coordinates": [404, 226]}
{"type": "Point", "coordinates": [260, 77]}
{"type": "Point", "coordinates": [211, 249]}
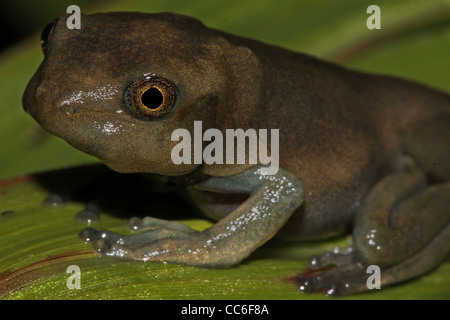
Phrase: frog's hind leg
{"type": "Point", "coordinates": [428, 143]}
{"type": "Point", "coordinates": [403, 227]}
{"type": "Point", "coordinates": [418, 231]}
{"type": "Point", "coordinates": [427, 259]}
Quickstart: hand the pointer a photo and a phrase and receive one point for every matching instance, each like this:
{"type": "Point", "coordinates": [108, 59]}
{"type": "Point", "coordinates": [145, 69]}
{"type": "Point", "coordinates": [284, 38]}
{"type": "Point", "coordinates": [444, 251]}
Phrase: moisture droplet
{"type": "Point", "coordinates": [54, 200]}
{"type": "Point", "coordinates": [88, 215]}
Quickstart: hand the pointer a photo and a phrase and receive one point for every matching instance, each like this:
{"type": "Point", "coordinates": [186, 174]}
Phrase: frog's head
{"type": "Point", "coordinates": [118, 87]}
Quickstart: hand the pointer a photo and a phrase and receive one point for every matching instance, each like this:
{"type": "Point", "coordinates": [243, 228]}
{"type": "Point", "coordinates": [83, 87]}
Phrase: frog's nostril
{"type": "Point", "coordinates": [41, 91]}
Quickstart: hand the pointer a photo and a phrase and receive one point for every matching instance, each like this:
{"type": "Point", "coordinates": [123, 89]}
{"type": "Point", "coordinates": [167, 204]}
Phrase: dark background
{"type": "Point", "coordinates": [19, 19]}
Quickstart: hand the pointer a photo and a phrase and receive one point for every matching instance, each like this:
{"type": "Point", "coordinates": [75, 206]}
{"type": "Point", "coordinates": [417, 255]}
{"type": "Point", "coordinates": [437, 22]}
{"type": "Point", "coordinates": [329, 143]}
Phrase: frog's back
{"type": "Point", "coordinates": [342, 131]}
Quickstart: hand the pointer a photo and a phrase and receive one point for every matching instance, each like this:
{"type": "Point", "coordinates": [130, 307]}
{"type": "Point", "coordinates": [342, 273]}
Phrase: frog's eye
{"type": "Point", "coordinates": [47, 35]}
{"type": "Point", "coordinates": [151, 97]}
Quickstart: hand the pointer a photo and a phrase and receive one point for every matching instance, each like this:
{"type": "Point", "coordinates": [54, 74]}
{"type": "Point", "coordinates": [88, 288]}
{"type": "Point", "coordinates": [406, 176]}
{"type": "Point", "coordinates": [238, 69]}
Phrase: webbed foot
{"type": "Point", "coordinates": [336, 272]}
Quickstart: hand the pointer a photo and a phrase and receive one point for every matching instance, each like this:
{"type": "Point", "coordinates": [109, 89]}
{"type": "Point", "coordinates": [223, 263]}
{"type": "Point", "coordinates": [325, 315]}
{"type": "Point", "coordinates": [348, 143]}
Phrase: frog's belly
{"type": "Point", "coordinates": [216, 205]}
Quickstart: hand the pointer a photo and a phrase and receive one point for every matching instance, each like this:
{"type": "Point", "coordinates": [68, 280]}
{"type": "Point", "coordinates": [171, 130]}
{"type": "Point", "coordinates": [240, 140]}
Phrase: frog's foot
{"type": "Point", "coordinates": [133, 247]}
{"type": "Point", "coordinates": [161, 244]}
{"type": "Point", "coordinates": [347, 277]}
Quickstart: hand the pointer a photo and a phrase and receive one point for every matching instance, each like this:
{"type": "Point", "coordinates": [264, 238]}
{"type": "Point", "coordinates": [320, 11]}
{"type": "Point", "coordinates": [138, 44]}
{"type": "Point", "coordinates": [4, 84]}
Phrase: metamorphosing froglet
{"type": "Point", "coordinates": [357, 152]}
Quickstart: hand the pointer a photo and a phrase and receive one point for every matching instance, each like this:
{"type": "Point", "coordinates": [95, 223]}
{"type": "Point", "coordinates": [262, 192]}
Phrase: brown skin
{"type": "Point", "coordinates": [356, 150]}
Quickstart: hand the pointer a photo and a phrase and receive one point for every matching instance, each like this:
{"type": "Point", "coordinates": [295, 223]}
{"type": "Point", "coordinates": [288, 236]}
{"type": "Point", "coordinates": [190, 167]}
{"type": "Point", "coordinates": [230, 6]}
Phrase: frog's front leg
{"type": "Point", "coordinates": [272, 200]}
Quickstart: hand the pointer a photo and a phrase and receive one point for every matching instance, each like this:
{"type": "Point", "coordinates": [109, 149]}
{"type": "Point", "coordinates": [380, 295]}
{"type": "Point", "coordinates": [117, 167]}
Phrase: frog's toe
{"type": "Point", "coordinates": [336, 272]}
{"type": "Point", "coordinates": [104, 242]}
{"type": "Point", "coordinates": [337, 281]}
{"type": "Point", "coordinates": [88, 234]}
{"type": "Point", "coordinates": [336, 256]}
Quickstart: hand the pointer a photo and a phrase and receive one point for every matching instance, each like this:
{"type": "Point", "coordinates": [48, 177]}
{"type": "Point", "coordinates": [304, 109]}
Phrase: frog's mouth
{"type": "Point", "coordinates": [104, 130]}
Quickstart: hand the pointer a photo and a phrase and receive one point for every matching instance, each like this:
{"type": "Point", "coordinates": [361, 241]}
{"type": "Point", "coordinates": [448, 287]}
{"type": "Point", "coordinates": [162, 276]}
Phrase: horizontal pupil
{"type": "Point", "coordinates": [152, 98]}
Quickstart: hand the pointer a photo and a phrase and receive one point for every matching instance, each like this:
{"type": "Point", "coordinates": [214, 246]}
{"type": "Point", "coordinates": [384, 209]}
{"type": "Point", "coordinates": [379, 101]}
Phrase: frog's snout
{"type": "Point", "coordinates": [26, 101]}
{"type": "Point", "coordinates": [25, 108]}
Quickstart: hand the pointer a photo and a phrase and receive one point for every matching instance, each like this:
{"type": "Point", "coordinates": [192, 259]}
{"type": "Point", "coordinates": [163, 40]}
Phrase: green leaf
{"type": "Point", "coordinates": [38, 243]}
